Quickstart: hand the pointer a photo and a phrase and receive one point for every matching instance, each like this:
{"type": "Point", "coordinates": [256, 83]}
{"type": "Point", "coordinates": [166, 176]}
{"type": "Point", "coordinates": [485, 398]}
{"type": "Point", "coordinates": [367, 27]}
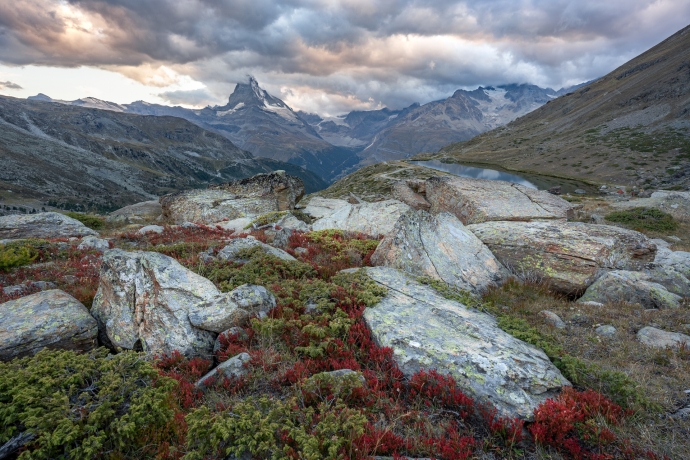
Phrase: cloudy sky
{"type": "Point", "coordinates": [325, 56]}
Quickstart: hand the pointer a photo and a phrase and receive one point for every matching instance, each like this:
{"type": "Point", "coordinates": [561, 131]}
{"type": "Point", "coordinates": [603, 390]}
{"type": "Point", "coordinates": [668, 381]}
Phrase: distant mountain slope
{"type": "Point", "coordinates": [105, 159]}
{"type": "Point", "coordinates": [386, 135]}
{"type": "Point", "coordinates": [630, 127]}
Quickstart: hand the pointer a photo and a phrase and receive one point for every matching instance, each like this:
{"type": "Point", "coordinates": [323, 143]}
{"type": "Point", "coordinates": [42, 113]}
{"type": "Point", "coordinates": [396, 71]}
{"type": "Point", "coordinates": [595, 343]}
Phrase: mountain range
{"type": "Point", "coordinates": [630, 127]}
{"type": "Point", "coordinates": [80, 157]}
{"type": "Point", "coordinates": [331, 147]}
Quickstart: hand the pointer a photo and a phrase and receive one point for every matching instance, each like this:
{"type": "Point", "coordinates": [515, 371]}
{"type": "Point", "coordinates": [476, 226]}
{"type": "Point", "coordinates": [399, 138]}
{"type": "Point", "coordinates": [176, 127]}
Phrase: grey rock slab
{"type": "Point", "coordinates": [239, 225]}
{"type": "Point", "coordinates": [233, 367]}
{"type": "Point", "coordinates": [137, 213]}
{"type": "Point", "coordinates": [151, 229]}
{"type": "Point", "coordinates": [477, 200]}
{"type": "Point", "coordinates": [95, 243]}
{"type": "Point", "coordinates": [440, 247]}
{"type": "Point", "coordinates": [49, 319]}
{"type": "Point", "coordinates": [373, 219]}
{"type": "Point", "coordinates": [42, 225]}
{"type": "Point", "coordinates": [232, 309]}
{"type": "Point", "coordinates": [323, 207]}
{"type": "Point", "coordinates": [233, 250]}
{"type": "Point", "coordinates": [552, 319]}
{"type": "Point", "coordinates": [569, 256]}
{"type": "Point", "coordinates": [659, 338]}
{"type": "Point", "coordinates": [143, 301]}
{"type": "Point", "coordinates": [605, 331]}
{"type": "Point", "coordinates": [290, 222]}
{"type": "Point", "coordinates": [402, 191]}
{"type": "Point", "coordinates": [630, 287]}
{"type": "Point", "coordinates": [672, 270]}
{"type": "Point", "coordinates": [427, 331]}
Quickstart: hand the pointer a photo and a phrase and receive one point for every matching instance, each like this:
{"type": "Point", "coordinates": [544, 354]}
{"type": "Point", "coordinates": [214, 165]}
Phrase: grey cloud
{"type": "Point", "coordinates": [196, 97]}
{"type": "Point", "coordinates": [9, 85]}
{"type": "Point", "coordinates": [347, 48]}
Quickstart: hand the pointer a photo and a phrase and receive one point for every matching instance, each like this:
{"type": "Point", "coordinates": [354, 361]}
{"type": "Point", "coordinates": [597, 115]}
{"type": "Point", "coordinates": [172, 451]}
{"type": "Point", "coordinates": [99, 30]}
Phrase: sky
{"type": "Point", "coordinates": [322, 56]}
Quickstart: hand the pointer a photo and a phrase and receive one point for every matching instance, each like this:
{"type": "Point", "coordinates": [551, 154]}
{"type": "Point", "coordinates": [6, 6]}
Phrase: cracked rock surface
{"type": "Point", "coordinates": [440, 247]}
{"type": "Point", "coordinates": [42, 225]}
{"type": "Point", "coordinates": [427, 331]}
{"type": "Point", "coordinates": [373, 219]}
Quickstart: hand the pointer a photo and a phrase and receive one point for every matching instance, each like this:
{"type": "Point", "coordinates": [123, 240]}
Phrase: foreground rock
{"type": "Point", "coordinates": [427, 331]}
{"type": "Point", "coordinates": [232, 368]}
{"type": "Point", "coordinates": [94, 243]}
{"type": "Point", "coordinates": [373, 219]}
{"type": "Point", "coordinates": [49, 319]}
{"type": "Point", "coordinates": [659, 338]}
{"type": "Point", "coordinates": [42, 225]}
{"type": "Point", "coordinates": [630, 287]}
{"type": "Point", "coordinates": [323, 207]}
{"type": "Point", "coordinates": [476, 200]}
{"type": "Point", "coordinates": [246, 198]}
{"type": "Point", "coordinates": [569, 256]}
{"type": "Point", "coordinates": [146, 211]}
{"type": "Point", "coordinates": [671, 269]}
{"type": "Point", "coordinates": [236, 250]}
{"type": "Point", "coordinates": [232, 309]}
{"type": "Point", "coordinates": [144, 300]}
{"type": "Point", "coordinates": [412, 193]}
{"type": "Point", "coordinates": [442, 248]}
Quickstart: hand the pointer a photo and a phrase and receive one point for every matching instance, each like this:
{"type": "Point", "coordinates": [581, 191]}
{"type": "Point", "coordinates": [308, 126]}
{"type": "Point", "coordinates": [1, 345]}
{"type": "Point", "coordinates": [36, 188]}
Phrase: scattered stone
{"type": "Point", "coordinates": [341, 373]}
{"type": "Point", "coordinates": [301, 251]}
{"type": "Point", "coordinates": [569, 256]}
{"type": "Point", "coordinates": [596, 219]}
{"type": "Point", "coordinates": [146, 211]}
{"type": "Point", "coordinates": [232, 368]}
{"type": "Point", "coordinates": [27, 286]}
{"type": "Point", "coordinates": [49, 319]}
{"type": "Point", "coordinates": [232, 252]}
{"type": "Point", "coordinates": [671, 269]}
{"type": "Point", "coordinates": [144, 300]}
{"type": "Point", "coordinates": [579, 191]}
{"type": "Point", "coordinates": [188, 225]}
{"type": "Point", "coordinates": [402, 191]}
{"type": "Point", "coordinates": [247, 198]}
{"type": "Point", "coordinates": [605, 331]}
{"type": "Point", "coordinates": [42, 225]}
{"type": "Point", "coordinates": [427, 331]}
{"type": "Point", "coordinates": [592, 304]}
{"type": "Point", "coordinates": [557, 190]}
{"type": "Point", "coordinates": [659, 338]}
{"type": "Point", "coordinates": [240, 225]}
{"type": "Point", "coordinates": [552, 319]}
{"type": "Point", "coordinates": [675, 203]}
{"type": "Point", "coordinates": [238, 331]}
{"type": "Point", "coordinates": [682, 414]}
{"type": "Point", "coordinates": [290, 222]}
{"type": "Point", "coordinates": [476, 200]}
{"type": "Point", "coordinates": [151, 229]}
{"type": "Point", "coordinates": [373, 219]}
{"type": "Point", "coordinates": [282, 237]}
{"type": "Point", "coordinates": [440, 247]}
{"type": "Point", "coordinates": [92, 242]}
{"type": "Point", "coordinates": [630, 287]}
{"type": "Point", "coordinates": [232, 309]}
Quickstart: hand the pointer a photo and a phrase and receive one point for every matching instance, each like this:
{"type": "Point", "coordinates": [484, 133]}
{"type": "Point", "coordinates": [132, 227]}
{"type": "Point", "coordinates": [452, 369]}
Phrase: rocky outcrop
{"type": "Point", "coordinates": [144, 300]}
{"type": "Point", "coordinates": [93, 243]}
{"type": "Point", "coordinates": [659, 338]}
{"type": "Point", "coordinates": [411, 193]}
{"type": "Point", "coordinates": [569, 256]}
{"type": "Point", "coordinates": [250, 197]}
{"type": "Point", "coordinates": [323, 207]}
{"type": "Point", "coordinates": [630, 287]}
{"type": "Point", "coordinates": [373, 219]}
{"type": "Point", "coordinates": [232, 309]}
{"type": "Point", "coordinates": [427, 331]}
{"type": "Point", "coordinates": [475, 201]}
{"type": "Point", "coordinates": [237, 248]}
{"type": "Point", "coordinates": [49, 319]}
{"type": "Point", "coordinates": [146, 211]}
{"type": "Point", "coordinates": [42, 225]}
{"type": "Point", "coordinates": [671, 269]}
{"type": "Point", "coordinates": [440, 247]}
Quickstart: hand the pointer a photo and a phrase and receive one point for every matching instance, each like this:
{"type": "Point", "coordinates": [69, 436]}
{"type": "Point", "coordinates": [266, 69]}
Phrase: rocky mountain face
{"type": "Point", "coordinates": [81, 157]}
{"type": "Point", "coordinates": [386, 135]}
{"type": "Point", "coordinates": [631, 127]}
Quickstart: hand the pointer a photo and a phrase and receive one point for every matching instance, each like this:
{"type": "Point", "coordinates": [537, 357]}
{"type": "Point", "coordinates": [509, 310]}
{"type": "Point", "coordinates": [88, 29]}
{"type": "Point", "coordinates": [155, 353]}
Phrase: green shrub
{"type": "Point", "coordinates": [91, 221]}
{"type": "Point", "coordinates": [641, 219]}
{"type": "Point", "coordinates": [12, 256]}
{"type": "Point", "coordinates": [80, 406]}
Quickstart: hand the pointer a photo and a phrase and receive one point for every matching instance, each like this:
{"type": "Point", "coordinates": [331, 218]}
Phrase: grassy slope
{"type": "Point", "coordinates": [631, 126]}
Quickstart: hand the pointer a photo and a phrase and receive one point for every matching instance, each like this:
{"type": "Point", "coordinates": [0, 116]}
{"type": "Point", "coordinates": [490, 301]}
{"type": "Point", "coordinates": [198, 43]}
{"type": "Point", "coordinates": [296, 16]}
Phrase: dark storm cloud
{"type": "Point", "coordinates": [9, 85]}
{"type": "Point", "coordinates": [392, 52]}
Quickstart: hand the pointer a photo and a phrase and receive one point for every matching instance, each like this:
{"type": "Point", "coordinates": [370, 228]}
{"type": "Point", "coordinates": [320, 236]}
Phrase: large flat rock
{"type": "Point", "coordinates": [49, 319]}
{"type": "Point", "coordinates": [630, 287]}
{"type": "Point", "coordinates": [427, 331]}
{"type": "Point", "coordinates": [570, 256]}
{"type": "Point", "coordinates": [248, 198]}
{"type": "Point", "coordinates": [373, 219]}
{"type": "Point", "coordinates": [439, 246]}
{"type": "Point", "coordinates": [477, 200]}
{"type": "Point", "coordinates": [42, 225]}
{"type": "Point", "coordinates": [144, 211]}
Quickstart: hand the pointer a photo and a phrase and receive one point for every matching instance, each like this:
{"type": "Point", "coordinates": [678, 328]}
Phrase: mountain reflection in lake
{"type": "Point", "coordinates": [476, 173]}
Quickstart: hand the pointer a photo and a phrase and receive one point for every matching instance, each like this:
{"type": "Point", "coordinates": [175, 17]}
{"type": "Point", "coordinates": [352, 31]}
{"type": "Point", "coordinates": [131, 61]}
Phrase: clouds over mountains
{"type": "Point", "coordinates": [335, 55]}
